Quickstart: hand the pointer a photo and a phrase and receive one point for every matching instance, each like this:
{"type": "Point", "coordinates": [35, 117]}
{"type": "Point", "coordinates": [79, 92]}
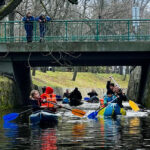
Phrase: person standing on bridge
{"type": "Point", "coordinates": [42, 21]}
{"type": "Point", "coordinates": [28, 20]}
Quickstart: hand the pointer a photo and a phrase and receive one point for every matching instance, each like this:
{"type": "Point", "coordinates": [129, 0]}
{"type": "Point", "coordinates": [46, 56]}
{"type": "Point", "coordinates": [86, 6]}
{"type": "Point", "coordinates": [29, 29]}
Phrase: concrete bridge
{"type": "Point", "coordinates": [75, 43]}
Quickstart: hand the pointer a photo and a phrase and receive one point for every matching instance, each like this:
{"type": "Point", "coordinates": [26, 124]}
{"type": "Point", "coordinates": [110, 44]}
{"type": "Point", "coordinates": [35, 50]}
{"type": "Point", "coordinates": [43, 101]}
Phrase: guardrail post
{"type": "Point", "coordinates": [66, 30]}
{"type": "Point", "coordinates": [128, 30]}
{"type": "Point", "coordinates": [5, 33]}
{"type": "Point", "coordinates": [35, 30]}
{"type": "Point", "coordinates": [97, 30]}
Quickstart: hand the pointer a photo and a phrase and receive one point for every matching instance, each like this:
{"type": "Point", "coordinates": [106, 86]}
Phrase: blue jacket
{"type": "Point", "coordinates": [43, 23]}
{"type": "Point", "coordinates": [109, 99]}
{"type": "Point", "coordinates": [28, 23]}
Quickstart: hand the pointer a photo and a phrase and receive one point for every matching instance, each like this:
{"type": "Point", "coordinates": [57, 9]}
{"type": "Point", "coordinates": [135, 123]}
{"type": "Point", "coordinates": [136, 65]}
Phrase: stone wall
{"type": "Point", "coordinates": [8, 93]}
{"type": "Point", "coordinates": [146, 95]}
{"type": "Point", "coordinates": [134, 83]}
{"type": "Point", "coordinates": [59, 91]}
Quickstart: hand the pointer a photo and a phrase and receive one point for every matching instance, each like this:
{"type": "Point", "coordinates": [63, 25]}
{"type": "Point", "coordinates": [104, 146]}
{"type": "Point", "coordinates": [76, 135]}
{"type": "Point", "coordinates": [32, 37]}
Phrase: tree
{"type": "Point", "coordinates": [4, 11]}
{"type": "Point", "coordinates": [75, 73]}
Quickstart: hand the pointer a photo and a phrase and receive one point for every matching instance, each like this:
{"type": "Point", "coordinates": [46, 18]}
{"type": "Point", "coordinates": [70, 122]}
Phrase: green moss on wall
{"type": "Point", "coordinates": [8, 93]}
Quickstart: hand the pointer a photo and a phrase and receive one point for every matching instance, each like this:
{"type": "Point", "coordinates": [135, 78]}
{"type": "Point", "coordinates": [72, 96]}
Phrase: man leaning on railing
{"type": "Point", "coordinates": [28, 25]}
{"type": "Point", "coordinates": [42, 25]}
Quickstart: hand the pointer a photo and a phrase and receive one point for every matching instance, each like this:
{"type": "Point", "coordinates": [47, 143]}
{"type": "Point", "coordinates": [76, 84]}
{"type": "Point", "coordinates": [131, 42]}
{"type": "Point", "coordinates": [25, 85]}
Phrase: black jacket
{"type": "Point", "coordinates": [75, 95]}
{"type": "Point", "coordinates": [91, 94]}
{"type": "Point", "coordinates": [108, 87]}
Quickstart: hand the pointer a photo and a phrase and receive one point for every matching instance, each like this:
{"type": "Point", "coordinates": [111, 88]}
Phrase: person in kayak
{"type": "Point", "coordinates": [75, 97]}
{"type": "Point", "coordinates": [110, 86]}
{"type": "Point", "coordinates": [35, 100]}
{"type": "Point", "coordinates": [121, 96]}
{"type": "Point", "coordinates": [50, 98]}
{"type": "Point", "coordinates": [66, 94]}
{"type": "Point", "coordinates": [66, 97]}
{"type": "Point", "coordinates": [109, 97]}
{"type": "Point", "coordinates": [93, 96]}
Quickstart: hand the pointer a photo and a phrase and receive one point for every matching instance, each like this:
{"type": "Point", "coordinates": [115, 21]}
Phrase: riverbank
{"type": "Point", "coordinates": [83, 80]}
{"type": "Point", "coordinates": [60, 81]}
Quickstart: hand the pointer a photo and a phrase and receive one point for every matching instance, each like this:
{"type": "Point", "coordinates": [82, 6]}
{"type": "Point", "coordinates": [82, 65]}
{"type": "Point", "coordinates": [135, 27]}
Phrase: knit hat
{"type": "Point", "coordinates": [49, 90]}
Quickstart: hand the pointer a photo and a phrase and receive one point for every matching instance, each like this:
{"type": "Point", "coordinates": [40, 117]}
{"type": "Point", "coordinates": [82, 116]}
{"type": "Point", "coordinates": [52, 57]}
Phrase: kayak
{"type": "Point", "coordinates": [112, 109]}
{"type": "Point", "coordinates": [93, 99]}
{"type": "Point", "coordinates": [43, 118]}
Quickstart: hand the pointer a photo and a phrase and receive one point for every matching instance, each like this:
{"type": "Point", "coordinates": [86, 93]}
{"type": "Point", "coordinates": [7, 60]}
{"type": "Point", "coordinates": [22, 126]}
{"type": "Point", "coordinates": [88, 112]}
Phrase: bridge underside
{"type": "Point", "coordinates": [79, 58]}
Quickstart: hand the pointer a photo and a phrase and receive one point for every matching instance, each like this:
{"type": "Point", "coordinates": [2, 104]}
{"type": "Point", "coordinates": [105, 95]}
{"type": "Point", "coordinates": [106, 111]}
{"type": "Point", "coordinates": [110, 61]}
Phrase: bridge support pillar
{"type": "Point", "coordinates": [146, 88]}
{"type": "Point", "coordinates": [23, 80]}
{"type": "Point", "coordinates": [139, 85]}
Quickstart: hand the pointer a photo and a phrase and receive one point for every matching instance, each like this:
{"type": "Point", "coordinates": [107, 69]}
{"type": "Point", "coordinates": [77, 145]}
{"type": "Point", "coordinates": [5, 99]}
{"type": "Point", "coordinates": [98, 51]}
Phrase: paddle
{"type": "Point", "coordinates": [12, 116]}
{"type": "Point", "coordinates": [94, 114]}
{"type": "Point", "coordinates": [132, 104]}
{"type": "Point", "coordinates": [76, 112]}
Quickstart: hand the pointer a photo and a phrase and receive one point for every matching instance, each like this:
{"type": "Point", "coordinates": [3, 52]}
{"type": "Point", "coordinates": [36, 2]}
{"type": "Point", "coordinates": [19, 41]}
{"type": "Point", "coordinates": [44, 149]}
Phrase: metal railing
{"type": "Point", "coordinates": [79, 30]}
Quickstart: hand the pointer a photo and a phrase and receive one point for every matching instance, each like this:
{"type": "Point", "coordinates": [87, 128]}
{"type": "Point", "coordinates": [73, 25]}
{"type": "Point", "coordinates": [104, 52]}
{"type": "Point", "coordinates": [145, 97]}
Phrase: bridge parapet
{"type": "Point", "coordinates": [79, 30]}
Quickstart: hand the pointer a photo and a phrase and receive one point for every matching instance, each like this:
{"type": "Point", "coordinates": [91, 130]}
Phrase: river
{"type": "Point", "coordinates": [72, 133]}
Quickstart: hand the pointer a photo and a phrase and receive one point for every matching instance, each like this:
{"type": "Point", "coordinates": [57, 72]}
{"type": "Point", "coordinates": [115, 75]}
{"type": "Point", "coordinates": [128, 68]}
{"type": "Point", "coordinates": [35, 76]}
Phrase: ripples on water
{"type": "Point", "coordinates": [73, 133]}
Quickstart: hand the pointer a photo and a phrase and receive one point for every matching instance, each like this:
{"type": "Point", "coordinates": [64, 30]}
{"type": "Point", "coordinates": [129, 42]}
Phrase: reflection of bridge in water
{"type": "Point", "coordinates": [75, 43]}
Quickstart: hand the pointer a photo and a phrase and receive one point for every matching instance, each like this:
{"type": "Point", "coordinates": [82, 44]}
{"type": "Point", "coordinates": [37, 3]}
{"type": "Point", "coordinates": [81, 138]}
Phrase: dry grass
{"type": "Point", "coordinates": [83, 80]}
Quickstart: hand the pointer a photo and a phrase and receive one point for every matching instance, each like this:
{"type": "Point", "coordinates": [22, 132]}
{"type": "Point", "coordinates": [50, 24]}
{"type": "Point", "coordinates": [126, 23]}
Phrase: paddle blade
{"type": "Point", "coordinates": [10, 117]}
{"type": "Point", "coordinates": [93, 115]}
{"type": "Point", "coordinates": [78, 112]}
{"type": "Point", "coordinates": [134, 106]}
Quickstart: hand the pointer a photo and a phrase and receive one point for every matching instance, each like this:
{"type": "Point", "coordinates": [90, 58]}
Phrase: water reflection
{"type": "Point", "coordinates": [134, 124]}
{"type": "Point", "coordinates": [109, 129]}
{"type": "Point", "coordinates": [78, 133]}
{"type": "Point", "coordinates": [48, 139]}
{"type": "Point", "coordinates": [78, 130]}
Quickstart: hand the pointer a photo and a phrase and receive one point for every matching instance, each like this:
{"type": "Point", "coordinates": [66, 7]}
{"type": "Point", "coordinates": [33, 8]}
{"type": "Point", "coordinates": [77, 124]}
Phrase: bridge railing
{"type": "Point", "coordinates": [79, 30]}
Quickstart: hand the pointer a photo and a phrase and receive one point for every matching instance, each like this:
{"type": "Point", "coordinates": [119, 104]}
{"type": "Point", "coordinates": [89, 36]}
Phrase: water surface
{"type": "Point", "coordinates": [73, 133]}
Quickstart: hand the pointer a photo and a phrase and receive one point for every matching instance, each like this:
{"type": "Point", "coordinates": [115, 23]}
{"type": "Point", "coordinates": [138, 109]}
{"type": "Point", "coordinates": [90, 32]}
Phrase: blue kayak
{"type": "Point", "coordinates": [112, 109]}
{"type": "Point", "coordinates": [43, 118]}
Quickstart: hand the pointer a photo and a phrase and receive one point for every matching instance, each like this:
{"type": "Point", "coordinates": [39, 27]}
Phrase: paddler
{"type": "Point", "coordinates": [35, 100]}
{"type": "Point", "coordinates": [109, 97]}
{"type": "Point", "coordinates": [50, 98]}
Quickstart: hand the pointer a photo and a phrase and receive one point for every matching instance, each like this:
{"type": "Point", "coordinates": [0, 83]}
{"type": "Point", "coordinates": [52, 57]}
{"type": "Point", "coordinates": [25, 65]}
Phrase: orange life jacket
{"type": "Point", "coordinates": [49, 97]}
{"type": "Point", "coordinates": [102, 103]}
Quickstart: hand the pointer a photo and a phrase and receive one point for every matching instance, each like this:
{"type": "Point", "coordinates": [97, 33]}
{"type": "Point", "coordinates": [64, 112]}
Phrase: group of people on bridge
{"type": "Point", "coordinates": [29, 25]}
{"type": "Point", "coordinates": [48, 98]}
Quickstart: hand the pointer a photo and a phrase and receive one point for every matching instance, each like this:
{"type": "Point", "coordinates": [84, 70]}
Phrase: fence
{"type": "Point", "coordinates": [79, 30]}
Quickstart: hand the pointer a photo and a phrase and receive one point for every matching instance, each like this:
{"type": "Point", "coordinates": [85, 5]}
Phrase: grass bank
{"type": "Point", "coordinates": [83, 80]}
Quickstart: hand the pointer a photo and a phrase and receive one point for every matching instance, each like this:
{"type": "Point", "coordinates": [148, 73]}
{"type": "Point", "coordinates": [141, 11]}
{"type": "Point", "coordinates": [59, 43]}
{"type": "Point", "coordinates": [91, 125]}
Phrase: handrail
{"type": "Point", "coordinates": [83, 20]}
{"type": "Point", "coordinates": [79, 30]}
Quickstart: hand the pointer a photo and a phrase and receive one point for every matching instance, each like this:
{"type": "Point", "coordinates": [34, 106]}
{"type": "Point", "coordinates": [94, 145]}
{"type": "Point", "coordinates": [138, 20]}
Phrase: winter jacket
{"type": "Point", "coordinates": [109, 99]}
{"type": "Point", "coordinates": [28, 23]}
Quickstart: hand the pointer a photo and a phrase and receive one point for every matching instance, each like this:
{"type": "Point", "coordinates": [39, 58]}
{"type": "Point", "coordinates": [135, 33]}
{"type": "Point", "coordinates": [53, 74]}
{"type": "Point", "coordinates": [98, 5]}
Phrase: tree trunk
{"type": "Point", "coordinates": [43, 69]}
{"type": "Point", "coordinates": [4, 11]}
{"type": "Point", "coordinates": [11, 26]}
{"type": "Point", "coordinates": [53, 69]}
{"type": "Point", "coordinates": [121, 70]}
{"type": "Point", "coordinates": [107, 69]}
{"type": "Point", "coordinates": [33, 71]}
{"type": "Point", "coordinates": [75, 73]}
